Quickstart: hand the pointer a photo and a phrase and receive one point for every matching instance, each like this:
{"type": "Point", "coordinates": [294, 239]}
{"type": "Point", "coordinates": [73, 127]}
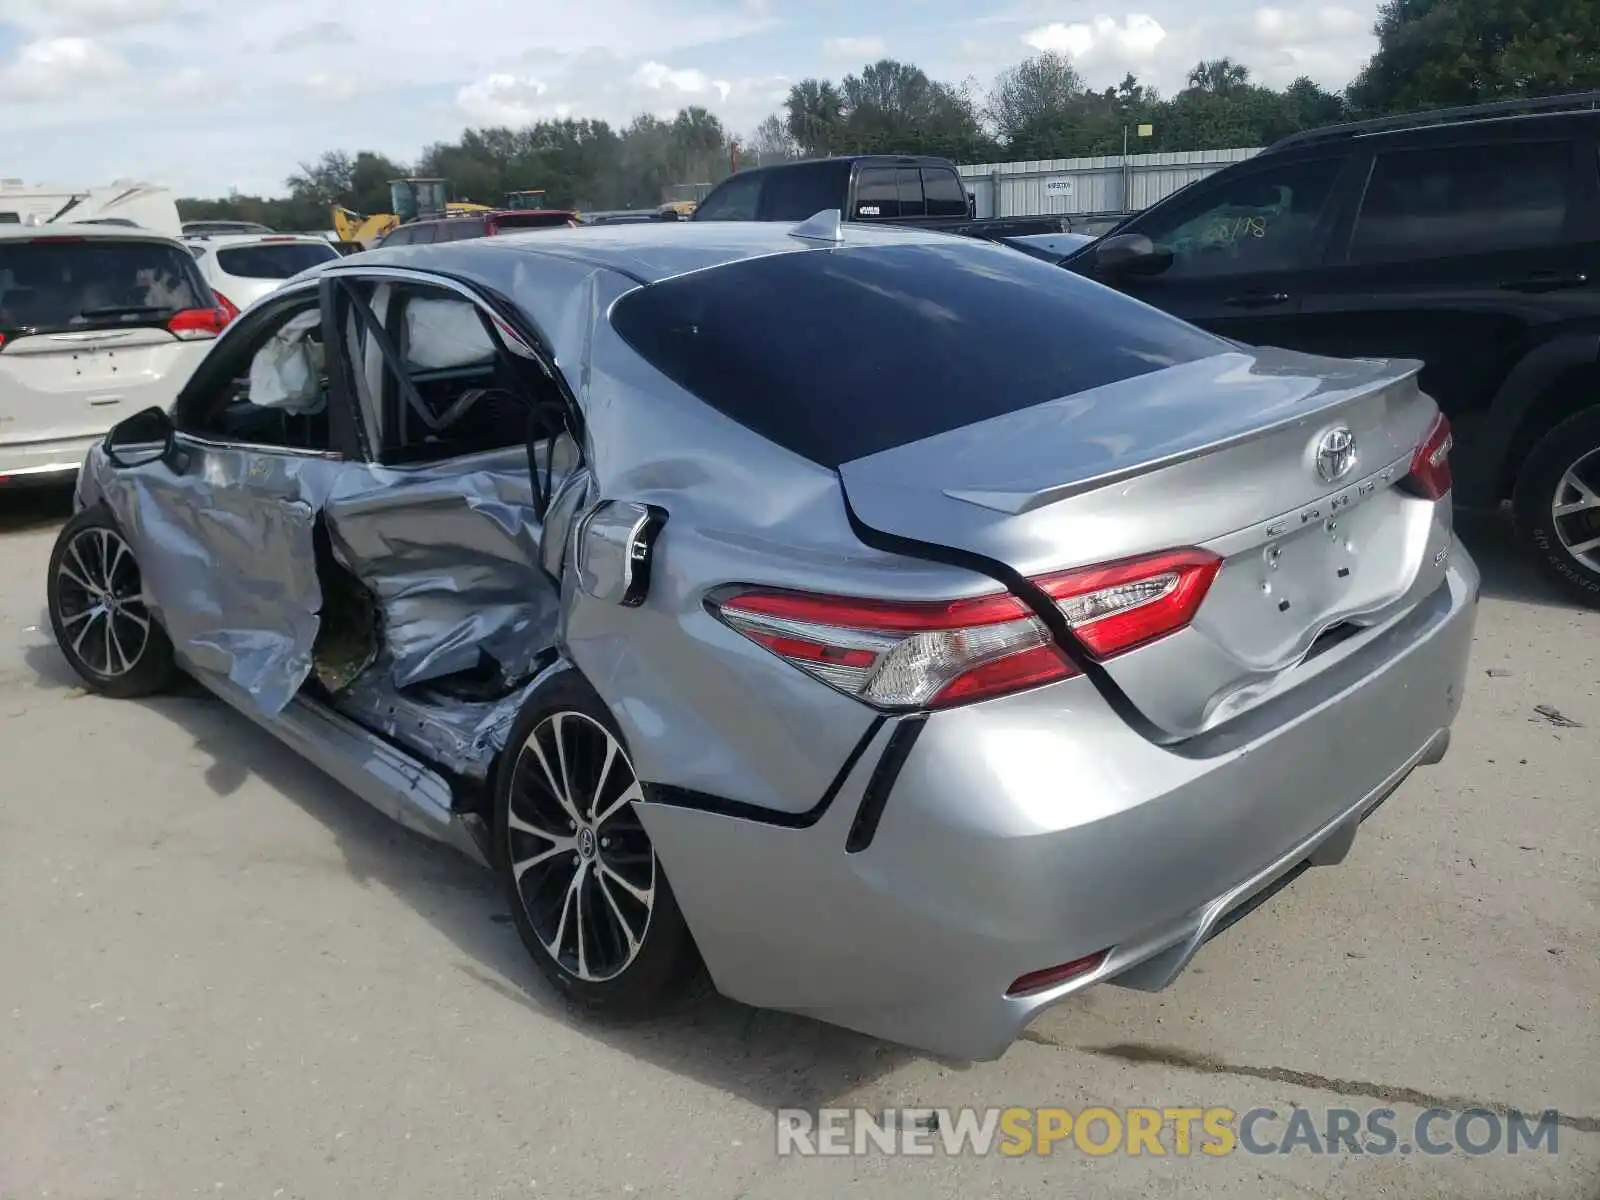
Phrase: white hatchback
{"type": "Point", "coordinates": [243, 267]}
{"type": "Point", "coordinates": [96, 323]}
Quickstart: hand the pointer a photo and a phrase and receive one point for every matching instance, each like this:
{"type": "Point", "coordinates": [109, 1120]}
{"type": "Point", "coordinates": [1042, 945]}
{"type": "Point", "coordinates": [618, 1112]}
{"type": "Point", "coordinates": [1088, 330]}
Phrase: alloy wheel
{"type": "Point", "coordinates": [1575, 510]}
{"type": "Point", "coordinates": [100, 602]}
{"type": "Point", "coordinates": [583, 865]}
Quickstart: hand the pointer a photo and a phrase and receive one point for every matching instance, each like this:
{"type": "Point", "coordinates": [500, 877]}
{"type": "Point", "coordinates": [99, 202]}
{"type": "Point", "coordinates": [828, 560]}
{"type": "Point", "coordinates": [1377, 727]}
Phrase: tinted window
{"type": "Point", "coordinates": [1256, 221]}
{"type": "Point", "coordinates": [1463, 200]}
{"type": "Point", "coordinates": [422, 235]}
{"type": "Point", "coordinates": [798, 193]}
{"type": "Point", "coordinates": [910, 188]}
{"type": "Point", "coordinates": [273, 260]}
{"type": "Point", "coordinates": [734, 200]}
{"type": "Point", "coordinates": [946, 196]}
{"type": "Point", "coordinates": [898, 343]}
{"type": "Point", "coordinates": [462, 229]}
{"type": "Point", "coordinates": [878, 193]}
{"type": "Point", "coordinates": [88, 283]}
{"type": "Point", "coordinates": [399, 237]}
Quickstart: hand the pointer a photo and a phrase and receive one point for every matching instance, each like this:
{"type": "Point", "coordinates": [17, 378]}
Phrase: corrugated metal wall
{"type": "Point", "coordinates": [1110, 184]}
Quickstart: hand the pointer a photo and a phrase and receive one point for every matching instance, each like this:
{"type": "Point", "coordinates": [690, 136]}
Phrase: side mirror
{"type": "Point", "coordinates": [615, 544]}
{"type": "Point", "coordinates": [144, 438]}
{"type": "Point", "coordinates": [1130, 254]}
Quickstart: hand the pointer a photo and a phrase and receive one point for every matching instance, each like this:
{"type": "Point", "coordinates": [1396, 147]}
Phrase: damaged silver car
{"type": "Point", "coordinates": [899, 629]}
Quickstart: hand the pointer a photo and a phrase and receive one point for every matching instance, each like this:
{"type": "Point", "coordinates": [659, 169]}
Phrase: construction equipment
{"type": "Point", "coordinates": [522, 201]}
{"type": "Point", "coordinates": [411, 199]}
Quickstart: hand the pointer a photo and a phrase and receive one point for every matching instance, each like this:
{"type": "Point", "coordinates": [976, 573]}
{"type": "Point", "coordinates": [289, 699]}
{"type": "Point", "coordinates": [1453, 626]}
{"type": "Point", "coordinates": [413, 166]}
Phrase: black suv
{"type": "Point", "coordinates": [1467, 238]}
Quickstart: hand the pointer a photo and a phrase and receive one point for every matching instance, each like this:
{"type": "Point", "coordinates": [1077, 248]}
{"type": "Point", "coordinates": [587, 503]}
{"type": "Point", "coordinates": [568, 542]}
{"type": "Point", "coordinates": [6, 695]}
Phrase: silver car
{"type": "Point", "coordinates": [899, 629]}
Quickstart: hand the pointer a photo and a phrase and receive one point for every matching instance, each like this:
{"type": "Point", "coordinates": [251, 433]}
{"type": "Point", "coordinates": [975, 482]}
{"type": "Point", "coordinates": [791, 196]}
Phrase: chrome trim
{"type": "Point", "coordinates": [192, 439]}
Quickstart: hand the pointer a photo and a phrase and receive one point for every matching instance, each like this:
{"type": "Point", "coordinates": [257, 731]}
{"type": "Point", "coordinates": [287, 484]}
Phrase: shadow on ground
{"type": "Point", "coordinates": [22, 509]}
{"type": "Point", "coordinates": [1509, 572]}
{"type": "Point", "coordinates": [769, 1059]}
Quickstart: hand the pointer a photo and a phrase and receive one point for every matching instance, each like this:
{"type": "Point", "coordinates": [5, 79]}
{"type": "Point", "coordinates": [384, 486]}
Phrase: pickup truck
{"type": "Point", "coordinates": [870, 188]}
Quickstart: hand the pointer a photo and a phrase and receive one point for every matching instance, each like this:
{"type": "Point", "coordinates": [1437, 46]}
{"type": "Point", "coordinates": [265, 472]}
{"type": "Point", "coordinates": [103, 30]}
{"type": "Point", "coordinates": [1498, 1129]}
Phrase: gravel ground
{"type": "Point", "coordinates": [222, 975]}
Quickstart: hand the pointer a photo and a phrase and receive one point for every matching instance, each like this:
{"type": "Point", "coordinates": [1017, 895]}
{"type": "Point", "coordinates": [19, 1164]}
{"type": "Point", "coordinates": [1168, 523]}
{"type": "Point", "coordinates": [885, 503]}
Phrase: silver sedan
{"type": "Point", "coordinates": [892, 626]}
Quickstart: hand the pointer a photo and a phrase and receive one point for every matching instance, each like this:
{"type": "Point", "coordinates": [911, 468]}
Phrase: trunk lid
{"type": "Point", "coordinates": [66, 385]}
{"type": "Point", "coordinates": [1220, 453]}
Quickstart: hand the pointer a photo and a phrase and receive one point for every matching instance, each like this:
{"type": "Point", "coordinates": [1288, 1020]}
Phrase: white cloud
{"type": "Point", "coordinates": [85, 16]}
{"type": "Point", "coordinates": [598, 84]}
{"type": "Point", "coordinates": [855, 49]}
{"type": "Point", "coordinates": [1134, 39]}
{"type": "Point", "coordinates": [53, 68]}
{"type": "Point", "coordinates": [680, 87]}
{"type": "Point", "coordinates": [1329, 43]}
{"type": "Point", "coordinates": [318, 33]}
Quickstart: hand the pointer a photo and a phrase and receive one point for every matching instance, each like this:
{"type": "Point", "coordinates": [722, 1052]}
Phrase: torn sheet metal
{"type": "Point", "coordinates": [451, 552]}
{"type": "Point", "coordinates": [226, 552]}
{"type": "Point", "coordinates": [462, 736]}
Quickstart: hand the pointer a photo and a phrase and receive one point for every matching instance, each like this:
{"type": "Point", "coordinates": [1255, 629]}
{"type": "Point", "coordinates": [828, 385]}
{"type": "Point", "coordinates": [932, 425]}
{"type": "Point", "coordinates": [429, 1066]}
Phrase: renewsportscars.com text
{"type": "Point", "coordinates": [1212, 1132]}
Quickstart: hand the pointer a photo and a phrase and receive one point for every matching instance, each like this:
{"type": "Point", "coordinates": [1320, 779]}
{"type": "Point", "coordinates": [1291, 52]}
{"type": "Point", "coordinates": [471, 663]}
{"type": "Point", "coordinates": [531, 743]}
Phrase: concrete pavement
{"type": "Point", "coordinates": [221, 975]}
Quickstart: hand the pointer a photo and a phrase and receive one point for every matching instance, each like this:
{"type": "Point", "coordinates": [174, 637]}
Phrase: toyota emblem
{"type": "Point", "coordinates": [1336, 454]}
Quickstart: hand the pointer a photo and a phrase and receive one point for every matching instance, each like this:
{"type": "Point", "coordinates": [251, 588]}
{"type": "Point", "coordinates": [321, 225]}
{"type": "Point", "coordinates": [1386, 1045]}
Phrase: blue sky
{"type": "Point", "coordinates": [206, 97]}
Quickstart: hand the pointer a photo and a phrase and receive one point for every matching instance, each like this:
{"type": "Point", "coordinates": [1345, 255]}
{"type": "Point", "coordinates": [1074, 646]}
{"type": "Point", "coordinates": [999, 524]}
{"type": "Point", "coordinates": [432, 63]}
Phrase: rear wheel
{"type": "Point", "coordinates": [98, 611]}
{"type": "Point", "coordinates": [1557, 503]}
{"type": "Point", "coordinates": [587, 894]}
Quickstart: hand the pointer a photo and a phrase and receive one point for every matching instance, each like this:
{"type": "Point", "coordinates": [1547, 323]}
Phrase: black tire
{"type": "Point", "coordinates": [88, 548]}
{"type": "Point", "coordinates": [1538, 483]}
{"type": "Point", "coordinates": [659, 962]}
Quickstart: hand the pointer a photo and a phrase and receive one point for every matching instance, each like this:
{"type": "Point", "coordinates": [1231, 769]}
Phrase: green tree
{"type": "Point", "coordinates": [814, 116]}
{"type": "Point", "coordinates": [1434, 53]}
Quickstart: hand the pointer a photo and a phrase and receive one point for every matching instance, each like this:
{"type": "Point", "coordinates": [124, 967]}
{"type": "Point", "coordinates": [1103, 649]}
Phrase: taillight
{"type": "Point", "coordinates": [1430, 464]}
{"type": "Point", "coordinates": [230, 310]}
{"type": "Point", "coordinates": [922, 654]}
{"type": "Point", "coordinates": [199, 322]}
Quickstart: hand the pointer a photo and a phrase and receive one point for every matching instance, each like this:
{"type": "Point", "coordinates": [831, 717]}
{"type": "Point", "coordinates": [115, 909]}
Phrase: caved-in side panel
{"type": "Point", "coordinates": [225, 546]}
{"type": "Point", "coordinates": [451, 552]}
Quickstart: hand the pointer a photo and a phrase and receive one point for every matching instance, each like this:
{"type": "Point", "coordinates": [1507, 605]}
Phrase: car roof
{"type": "Point", "coordinates": [649, 252]}
{"type": "Point", "coordinates": [87, 232]}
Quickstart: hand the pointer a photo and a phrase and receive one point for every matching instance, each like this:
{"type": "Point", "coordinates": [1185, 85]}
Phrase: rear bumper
{"type": "Point", "coordinates": [1034, 830]}
{"type": "Point", "coordinates": [46, 463]}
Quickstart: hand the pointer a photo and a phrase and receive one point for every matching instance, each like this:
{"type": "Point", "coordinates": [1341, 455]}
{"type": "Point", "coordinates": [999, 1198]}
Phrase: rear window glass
{"type": "Point", "coordinates": [947, 196]}
{"type": "Point", "coordinates": [94, 283]}
{"type": "Point", "coordinates": [800, 192]}
{"type": "Point", "coordinates": [273, 260]}
{"type": "Point", "coordinates": [838, 354]}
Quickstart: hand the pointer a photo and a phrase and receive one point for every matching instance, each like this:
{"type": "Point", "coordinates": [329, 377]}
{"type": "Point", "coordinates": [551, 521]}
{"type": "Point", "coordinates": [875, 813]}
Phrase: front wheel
{"type": "Point", "coordinates": [98, 612]}
{"type": "Point", "coordinates": [587, 893]}
{"type": "Point", "coordinates": [1557, 504]}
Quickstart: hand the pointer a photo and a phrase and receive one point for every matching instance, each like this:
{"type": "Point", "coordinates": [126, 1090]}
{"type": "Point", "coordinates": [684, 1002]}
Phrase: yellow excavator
{"type": "Point", "coordinates": [411, 200]}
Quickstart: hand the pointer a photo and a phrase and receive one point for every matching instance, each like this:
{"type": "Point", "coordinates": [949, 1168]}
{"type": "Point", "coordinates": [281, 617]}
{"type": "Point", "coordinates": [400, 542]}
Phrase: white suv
{"type": "Point", "coordinates": [243, 267]}
{"type": "Point", "coordinates": [96, 323]}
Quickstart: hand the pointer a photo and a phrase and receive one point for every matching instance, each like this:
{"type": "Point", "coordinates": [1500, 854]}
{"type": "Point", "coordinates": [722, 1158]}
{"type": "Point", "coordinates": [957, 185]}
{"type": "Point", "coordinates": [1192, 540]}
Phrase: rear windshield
{"type": "Point", "coordinates": [273, 260]}
{"type": "Point", "coordinates": [57, 284]}
{"type": "Point", "coordinates": [838, 354]}
{"type": "Point", "coordinates": [531, 220]}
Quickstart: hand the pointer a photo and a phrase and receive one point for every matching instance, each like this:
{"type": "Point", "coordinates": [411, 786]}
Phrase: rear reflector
{"type": "Point", "coordinates": [1038, 981]}
{"type": "Point", "coordinates": [1430, 464]}
{"type": "Point", "coordinates": [934, 654]}
{"type": "Point", "coordinates": [194, 323]}
{"type": "Point", "coordinates": [230, 310]}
